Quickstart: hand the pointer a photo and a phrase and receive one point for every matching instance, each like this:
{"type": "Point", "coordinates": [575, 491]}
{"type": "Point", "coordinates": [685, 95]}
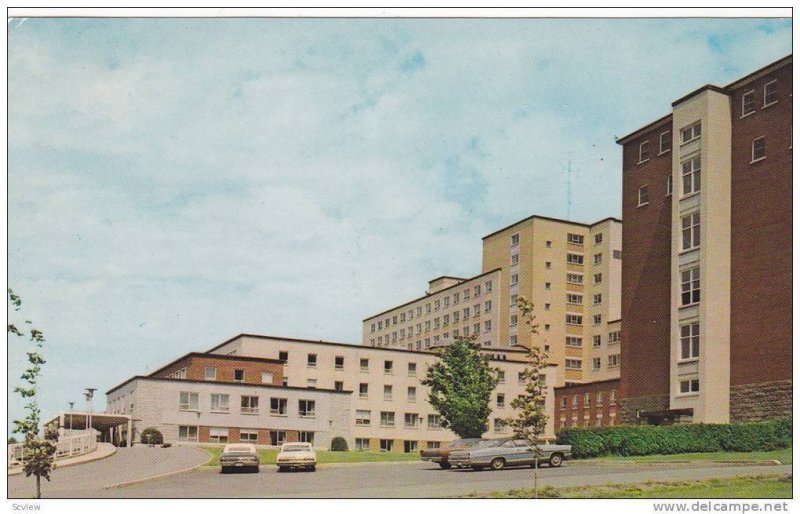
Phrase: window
{"type": "Point", "coordinates": [669, 185]}
{"type": "Point", "coordinates": [466, 294]}
{"type": "Point", "coordinates": [573, 278]}
{"type": "Point", "coordinates": [218, 435]}
{"type": "Point", "coordinates": [220, 403]}
{"type": "Point", "coordinates": [476, 309]}
{"type": "Point", "coordinates": [387, 392]}
{"type": "Point", "coordinates": [690, 341]}
{"type": "Point", "coordinates": [499, 426]}
{"type": "Point", "coordinates": [574, 258]}
{"type": "Point", "coordinates": [487, 306]}
{"type": "Point", "coordinates": [266, 377]}
{"type": "Point", "coordinates": [427, 308]}
{"type": "Point", "coordinates": [598, 299]}
{"type": "Point", "coordinates": [487, 286]}
{"type": "Point", "coordinates": [187, 434]}
{"type": "Point", "coordinates": [501, 401]}
{"type": "Point", "coordinates": [387, 419]}
{"type": "Point", "coordinates": [277, 437]}
{"type": "Point", "coordinates": [612, 397]}
{"type": "Point", "coordinates": [690, 133]}
{"type": "Point", "coordinates": [599, 400]}
{"type": "Point", "coordinates": [748, 103]}
{"type": "Point", "coordinates": [574, 299]}
{"type": "Point", "coordinates": [575, 239]}
{"type": "Point", "coordinates": [456, 298]}
{"type": "Point", "coordinates": [598, 258]}
{"type": "Point", "coordinates": [690, 386]}
{"type": "Point", "coordinates": [521, 378]}
{"type": "Point", "coordinates": [478, 290]}
{"type": "Point", "coordinates": [446, 320]}
{"type": "Point", "coordinates": [189, 401]}
{"type": "Point", "coordinates": [596, 363]}
{"type": "Point", "coordinates": [574, 319]}
{"type": "Point", "coordinates": [572, 364]}
{"type": "Point", "coordinates": [250, 436]}
{"type": "Point", "coordinates": [476, 328]}
{"type": "Point", "coordinates": [759, 149]}
{"type": "Point", "coordinates": [306, 437]}
{"type": "Point", "coordinates": [434, 422]}
{"type": "Point", "coordinates": [690, 230]}
{"type": "Point", "coordinates": [563, 402]}
{"type": "Point", "coordinates": [386, 445]}
{"type": "Point", "coordinates": [363, 390]}
{"type": "Point", "coordinates": [514, 278]}
{"type": "Point", "coordinates": [690, 286]}
{"type": "Point", "coordinates": [285, 381]}
{"type": "Point", "coordinates": [613, 360]}
{"type": "Point", "coordinates": [312, 360]}
{"type": "Point", "coordinates": [338, 362]}
{"type": "Point", "coordinates": [306, 408]}
{"type": "Point", "coordinates": [501, 376]}
{"type": "Point", "coordinates": [363, 417]}
{"type": "Point", "coordinates": [617, 254]}
{"type": "Point", "coordinates": [388, 367]}
{"type": "Point", "coordinates": [770, 93]}
{"type": "Point", "coordinates": [238, 375]}
{"type": "Point", "coordinates": [210, 374]}
{"type": "Point", "coordinates": [410, 420]}
{"type": "Point", "coordinates": [644, 151]}
{"type": "Point", "coordinates": [436, 305]}
{"type": "Point", "coordinates": [311, 383]}
{"type": "Point", "coordinates": [597, 341]}
{"type": "Point", "coordinates": [487, 325]}
{"type": "Point", "coordinates": [597, 319]}
{"type": "Point", "coordinates": [427, 326]}
{"type": "Point", "coordinates": [691, 175]}
{"type": "Point", "coordinates": [466, 313]}
{"type": "Point", "coordinates": [664, 142]}
{"type": "Point", "coordinates": [644, 199]}
{"type": "Point", "coordinates": [598, 238]}
{"type": "Point", "coordinates": [362, 444]}
{"type": "Point", "coordinates": [514, 239]}
{"type": "Point", "coordinates": [364, 365]}
{"type": "Point", "coordinates": [613, 337]}
{"type": "Point", "coordinates": [575, 401]}
{"type": "Point", "coordinates": [546, 327]}
{"type": "Point", "coordinates": [574, 341]}
{"type": "Point", "coordinates": [181, 373]}
{"type": "Point", "coordinates": [587, 400]}
{"type": "Point", "coordinates": [338, 386]}
{"type": "Point", "coordinates": [249, 404]}
{"type": "Point", "coordinates": [547, 265]}
{"type": "Point", "coordinates": [411, 395]}
{"type": "Point", "coordinates": [513, 299]}
{"type": "Point", "coordinates": [412, 369]}
{"type": "Point", "coordinates": [277, 406]}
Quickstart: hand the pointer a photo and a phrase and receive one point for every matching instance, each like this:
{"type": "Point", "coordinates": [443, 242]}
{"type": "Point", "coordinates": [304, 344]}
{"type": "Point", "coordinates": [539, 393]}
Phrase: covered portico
{"type": "Point", "coordinates": [113, 428]}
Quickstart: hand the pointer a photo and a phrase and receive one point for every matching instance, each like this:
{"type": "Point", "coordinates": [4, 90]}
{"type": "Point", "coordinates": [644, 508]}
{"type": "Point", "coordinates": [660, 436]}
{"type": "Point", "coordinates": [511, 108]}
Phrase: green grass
{"type": "Point", "coordinates": [783, 455]}
{"type": "Point", "coordinates": [779, 486]}
{"type": "Point", "coordinates": [323, 456]}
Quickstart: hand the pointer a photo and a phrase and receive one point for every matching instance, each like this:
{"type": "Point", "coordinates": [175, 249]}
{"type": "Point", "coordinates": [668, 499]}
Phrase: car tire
{"type": "Point", "coordinates": [256, 469]}
{"type": "Point", "coordinates": [555, 460]}
{"type": "Point", "coordinates": [312, 468]}
{"type": "Point", "coordinates": [281, 469]}
{"type": "Point", "coordinates": [223, 471]}
{"type": "Point", "coordinates": [445, 465]}
{"type": "Point", "coordinates": [497, 464]}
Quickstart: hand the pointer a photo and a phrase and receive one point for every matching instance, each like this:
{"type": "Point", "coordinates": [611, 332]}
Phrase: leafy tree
{"type": "Point", "coordinates": [38, 452]}
{"type": "Point", "coordinates": [461, 385]}
{"type": "Point", "coordinates": [12, 440]}
{"type": "Point", "coordinates": [531, 419]}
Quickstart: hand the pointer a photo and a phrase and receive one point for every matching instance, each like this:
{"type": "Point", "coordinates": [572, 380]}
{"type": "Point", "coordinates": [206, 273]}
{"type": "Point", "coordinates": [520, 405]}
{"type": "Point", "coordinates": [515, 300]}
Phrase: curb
{"type": "Point", "coordinates": [161, 475]}
{"type": "Point", "coordinates": [19, 471]}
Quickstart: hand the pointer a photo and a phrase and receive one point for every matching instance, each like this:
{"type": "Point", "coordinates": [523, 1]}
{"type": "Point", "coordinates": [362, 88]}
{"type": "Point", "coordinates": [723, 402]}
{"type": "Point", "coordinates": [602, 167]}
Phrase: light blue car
{"type": "Point", "coordinates": [500, 453]}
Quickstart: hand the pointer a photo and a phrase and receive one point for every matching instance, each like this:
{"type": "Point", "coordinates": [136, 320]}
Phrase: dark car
{"type": "Point", "coordinates": [441, 455]}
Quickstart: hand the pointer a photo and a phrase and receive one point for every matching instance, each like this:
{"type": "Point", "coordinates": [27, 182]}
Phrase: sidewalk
{"type": "Point", "coordinates": [103, 450]}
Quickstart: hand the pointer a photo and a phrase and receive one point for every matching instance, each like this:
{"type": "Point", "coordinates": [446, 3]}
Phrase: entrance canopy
{"type": "Point", "coordinates": [100, 421]}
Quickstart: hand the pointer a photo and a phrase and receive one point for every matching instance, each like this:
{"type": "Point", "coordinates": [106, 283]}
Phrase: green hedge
{"type": "Point", "coordinates": [668, 439]}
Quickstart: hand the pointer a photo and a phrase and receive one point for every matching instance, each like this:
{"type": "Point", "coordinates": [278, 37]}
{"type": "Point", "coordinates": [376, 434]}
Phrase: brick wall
{"type": "Point", "coordinates": [195, 368]}
{"type": "Point", "coordinates": [566, 409]}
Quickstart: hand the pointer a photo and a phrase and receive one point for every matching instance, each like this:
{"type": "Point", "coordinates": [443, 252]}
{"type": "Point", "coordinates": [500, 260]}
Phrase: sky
{"type": "Point", "coordinates": [175, 182]}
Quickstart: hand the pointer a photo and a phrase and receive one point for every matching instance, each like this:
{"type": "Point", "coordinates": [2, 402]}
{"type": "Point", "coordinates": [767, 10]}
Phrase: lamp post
{"type": "Point", "coordinates": [71, 405]}
{"type": "Point", "coordinates": [89, 394]}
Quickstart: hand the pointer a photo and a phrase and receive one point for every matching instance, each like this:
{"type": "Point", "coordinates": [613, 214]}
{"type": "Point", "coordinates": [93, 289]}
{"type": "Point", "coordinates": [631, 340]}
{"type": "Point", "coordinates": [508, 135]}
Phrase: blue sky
{"type": "Point", "coordinates": [173, 183]}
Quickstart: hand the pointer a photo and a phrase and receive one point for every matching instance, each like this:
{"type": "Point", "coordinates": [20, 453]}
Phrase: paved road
{"type": "Point", "coordinates": [410, 480]}
{"type": "Point", "coordinates": [127, 464]}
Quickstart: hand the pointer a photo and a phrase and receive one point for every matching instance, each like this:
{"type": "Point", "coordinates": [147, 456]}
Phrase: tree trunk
{"type": "Point", "coordinates": [38, 487]}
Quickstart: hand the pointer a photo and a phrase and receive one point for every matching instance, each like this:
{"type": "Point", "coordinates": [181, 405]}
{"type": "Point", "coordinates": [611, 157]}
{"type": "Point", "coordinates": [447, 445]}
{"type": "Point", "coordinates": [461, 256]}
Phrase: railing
{"type": "Point", "coordinates": [70, 443]}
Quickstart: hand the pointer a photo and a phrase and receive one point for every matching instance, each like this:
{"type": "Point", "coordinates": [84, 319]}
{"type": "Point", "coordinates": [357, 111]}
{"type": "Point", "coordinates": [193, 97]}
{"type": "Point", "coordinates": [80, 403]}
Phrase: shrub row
{"type": "Point", "coordinates": [668, 439]}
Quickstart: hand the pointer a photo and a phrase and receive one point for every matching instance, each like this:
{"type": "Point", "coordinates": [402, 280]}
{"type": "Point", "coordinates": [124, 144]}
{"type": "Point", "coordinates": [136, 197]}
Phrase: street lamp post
{"type": "Point", "coordinates": [89, 394]}
{"type": "Point", "coordinates": [71, 405]}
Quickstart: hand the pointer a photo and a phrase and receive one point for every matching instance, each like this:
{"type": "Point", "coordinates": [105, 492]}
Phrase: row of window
{"type": "Point", "coordinates": [577, 319]}
{"type": "Point", "coordinates": [597, 340]}
{"type": "Point", "coordinates": [443, 321]}
{"type": "Point", "coordinates": [587, 399]}
{"type": "Point", "coordinates": [387, 445]}
{"type": "Point", "coordinates": [770, 97]}
{"type": "Point", "coordinates": [388, 390]}
{"type": "Point", "coordinates": [587, 420]}
{"type": "Point", "coordinates": [210, 373]}
{"type": "Point", "coordinates": [575, 239]}
{"type": "Point", "coordinates": [387, 419]}
{"type": "Point", "coordinates": [431, 307]}
{"type": "Point", "coordinates": [577, 364]}
{"type": "Point", "coordinates": [476, 329]}
{"type": "Point", "coordinates": [220, 403]}
{"type": "Point", "coordinates": [338, 364]}
{"type": "Point", "coordinates": [189, 433]}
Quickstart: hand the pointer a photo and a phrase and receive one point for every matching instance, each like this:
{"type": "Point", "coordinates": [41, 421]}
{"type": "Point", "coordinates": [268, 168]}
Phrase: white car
{"type": "Point", "coordinates": [297, 455]}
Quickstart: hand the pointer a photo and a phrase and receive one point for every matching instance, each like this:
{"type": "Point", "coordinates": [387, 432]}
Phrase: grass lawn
{"type": "Point", "coordinates": [778, 486]}
{"type": "Point", "coordinates": [784, 456]}
{"type": "Point", "coordinates": [324, 456]}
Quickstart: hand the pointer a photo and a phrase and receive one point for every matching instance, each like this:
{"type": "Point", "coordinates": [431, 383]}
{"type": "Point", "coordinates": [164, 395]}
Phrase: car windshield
{"type": "Point", "coordinates": [239, 449]}
{"type": "Point", "coordinates": [296, 448]}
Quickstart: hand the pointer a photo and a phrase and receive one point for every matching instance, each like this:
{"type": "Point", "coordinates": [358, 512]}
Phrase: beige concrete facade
{"type": "Point", "coordinates": [384, 381]}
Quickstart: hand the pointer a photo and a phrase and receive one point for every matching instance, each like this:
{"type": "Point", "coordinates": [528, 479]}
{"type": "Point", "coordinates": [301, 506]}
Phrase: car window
{"type": "Point", "coordinates": [522, 442]}
{"type": "Point", "coordinates": [491, 443]}
{"type": "Point", "coordinates": [508, 444]}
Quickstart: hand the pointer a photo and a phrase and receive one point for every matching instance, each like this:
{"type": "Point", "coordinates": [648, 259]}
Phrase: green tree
{"type": "Point", "coordinates": [38, 452]}
{"type": "Point", "coordinates": [461, 385]}
{"type": "Point", "coordinates": [531, 419]}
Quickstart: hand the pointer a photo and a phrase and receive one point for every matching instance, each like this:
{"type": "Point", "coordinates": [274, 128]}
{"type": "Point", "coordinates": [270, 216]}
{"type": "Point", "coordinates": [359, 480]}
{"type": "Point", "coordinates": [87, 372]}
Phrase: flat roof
{"type": "Point", "coordinates": [581, 384]}
{"type": "Point", "coordinates": [430, 294]}
{"type": "Point", "coordinates": [218, 382]}
{"type": "Point", "coordinates": [558, 220]}
{"type": "Point", "coordinates": [191, 355]}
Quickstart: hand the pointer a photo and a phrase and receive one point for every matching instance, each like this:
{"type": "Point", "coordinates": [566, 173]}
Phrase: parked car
{"type": "Point", "coordinates": [500, 453]}
{"type": "Point", "coordinates": [440, 455]}
{"type": "Point", "coordinates": [297, 455]}
{"type": "Point", "coordinates": [239, 456]}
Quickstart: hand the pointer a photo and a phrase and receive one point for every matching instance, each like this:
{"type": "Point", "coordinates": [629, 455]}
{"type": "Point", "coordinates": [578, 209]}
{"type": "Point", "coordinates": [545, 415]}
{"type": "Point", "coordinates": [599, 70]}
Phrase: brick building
{"type": "Point", "coordinates": [707, 239]}
{"type": "Point", "coordinates": [586, 405]}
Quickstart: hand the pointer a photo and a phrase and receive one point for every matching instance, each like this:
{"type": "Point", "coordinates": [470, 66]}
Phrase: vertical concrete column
{"type": "Point", "coordinates": [130, 432]}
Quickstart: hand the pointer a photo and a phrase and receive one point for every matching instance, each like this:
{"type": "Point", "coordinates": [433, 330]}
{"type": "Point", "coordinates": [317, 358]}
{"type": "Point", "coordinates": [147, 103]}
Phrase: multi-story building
{"type": "Point", "coordinates": [269, 390]}
{"type": "Point", "coordinates": [570, 271]}
{"type": "Point", "coordinates": [707, 281]}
